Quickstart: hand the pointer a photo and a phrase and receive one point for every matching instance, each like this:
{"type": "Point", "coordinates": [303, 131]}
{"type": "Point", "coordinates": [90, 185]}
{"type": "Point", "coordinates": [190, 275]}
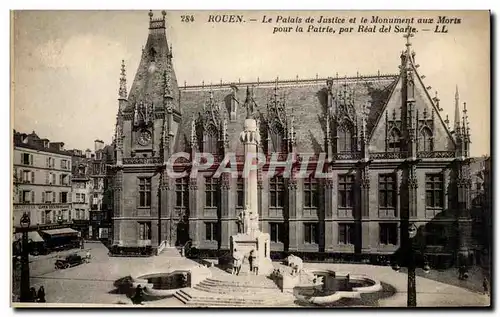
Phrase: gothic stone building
{"type": "Point", "coordinates": [393, 160]}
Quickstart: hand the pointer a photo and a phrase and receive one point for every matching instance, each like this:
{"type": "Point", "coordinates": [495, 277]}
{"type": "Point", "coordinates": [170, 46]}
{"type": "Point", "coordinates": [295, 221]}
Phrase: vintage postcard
{"type": "Point", "coordinates": [251, 159]}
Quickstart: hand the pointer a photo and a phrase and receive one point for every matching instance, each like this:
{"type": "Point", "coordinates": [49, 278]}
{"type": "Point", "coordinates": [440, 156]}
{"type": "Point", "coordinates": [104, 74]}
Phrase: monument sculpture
{"type": "Point", "coordinates": [249, 236]}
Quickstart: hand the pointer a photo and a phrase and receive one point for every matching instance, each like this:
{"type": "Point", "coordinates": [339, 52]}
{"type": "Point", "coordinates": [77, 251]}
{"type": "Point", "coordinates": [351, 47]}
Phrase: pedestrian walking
{"type": "Point", "coordinates": [33, 295]}
{"type": "Point", "coordinates": [41, 295]}
{"type": "Point", "coordinates": [137, 298]}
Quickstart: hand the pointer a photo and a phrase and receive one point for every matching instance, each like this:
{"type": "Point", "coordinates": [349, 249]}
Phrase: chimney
{"type": "Point", "coordinates": [98, 145]}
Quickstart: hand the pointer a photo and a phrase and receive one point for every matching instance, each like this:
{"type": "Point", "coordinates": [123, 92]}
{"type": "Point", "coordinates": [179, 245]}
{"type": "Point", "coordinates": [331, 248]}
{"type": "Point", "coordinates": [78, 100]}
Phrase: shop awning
{"type": "Point", "coordinates": [60, 232]}
{"type": "Point", "coordinates": [33, 236]}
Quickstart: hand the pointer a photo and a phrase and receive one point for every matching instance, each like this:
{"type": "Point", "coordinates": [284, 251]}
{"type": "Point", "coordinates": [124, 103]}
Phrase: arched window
{"type": "Point", "coordinates": [276, 134]}
{"type": "Point", "coordinates": [394, 144]}
{"type": "Point", "coordinates": [425, 140]}
{"type": "Point", "coordinates": [345, 135]}
{"type": "Point", "coordinates": [211, 140]}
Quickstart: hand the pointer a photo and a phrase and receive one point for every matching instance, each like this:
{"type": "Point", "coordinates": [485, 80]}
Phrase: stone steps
{"type": "Point", "coordinates": [256, 282]}
{"type": "Point", "coordinates": [198, 299]}
{"type": "Point", "coordinates": [232, 291]}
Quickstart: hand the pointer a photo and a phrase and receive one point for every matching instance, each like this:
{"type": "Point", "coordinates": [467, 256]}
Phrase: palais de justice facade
{"type": "Point", "coordinates": [395, 160]}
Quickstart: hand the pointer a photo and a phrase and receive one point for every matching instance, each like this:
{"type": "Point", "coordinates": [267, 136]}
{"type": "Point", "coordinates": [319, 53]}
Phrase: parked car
{"type": "Point", "coordinates": [69, 261]}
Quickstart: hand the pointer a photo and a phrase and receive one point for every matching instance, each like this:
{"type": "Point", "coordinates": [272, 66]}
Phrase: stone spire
{"type": "Point", "coordinates": [457, 111]}
{"type": "Point", "coordinates": [122, 92]}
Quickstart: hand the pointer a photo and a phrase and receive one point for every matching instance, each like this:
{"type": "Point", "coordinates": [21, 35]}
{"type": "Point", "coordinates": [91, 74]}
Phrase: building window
{"type": "Point", "coordinates": [28, 177]}
{"type": "Point", "coordinates": [345, 137]}
{"type": "Point", "coordinates": [211, 192]}
{"type": "Point", "coordinates": [311, 195]}
{"type": "Point", "coordinates": [64, 164]}
{"type": "Point", "coordinates": [387, 191]}
{"type": "Point", "coordinates": [394, 144]}
{"type": "Point", "coordinates": [51, 179]}
{"type": "Point", "coordinates": [50, 162]}
{"type": "Point", "coordinates": [48, 197]}
{"type": "Point", "coordinates": [26, 159]}
{"type": "Point", "coordinates": [80, 198]}
{"type": "Point", "coordinates": [277, 192]}
{"type": "Point", "coordinates": [97, 168]}
{"type": "Point", "coordinates": [425, 140]}
{"type": "Point", "coordinates": [240, 193]}
{"type": "Point", "coordinates": [63, 197]}
{"type": "Point", "coordinates": [144, 192]}
{"type": "Point", "coordinates": [311, 233]}
{"type": "Point", "coordinates": [211, 231]}
{"type": "Point", "coordinates": [276, 135]}
{"type": "Point", "coordinates": [46, 219]}
{"type": "Point", "coordinates": [434, 190]}
{"type": "Point", "coordinates": [96, 183]}
{"type": "Point", "coordinates": [182, 192]}
{"type": "Point", "coordinates": [211, 142]}
{"type": "Point", "coordinates": [277, 230]}
{"type": "Point", "coordinates": [64, 179]}
{"type": "Point", "coordinates": [388, 233]}
{"type": "Point", "coordinates": [346, 191]}
{"type": "Point", "coordinates": [26, 197]}
{"type": "Point", "coordinates": [347, 233]}
{"type": "Point", "coordinates": [145, 230]}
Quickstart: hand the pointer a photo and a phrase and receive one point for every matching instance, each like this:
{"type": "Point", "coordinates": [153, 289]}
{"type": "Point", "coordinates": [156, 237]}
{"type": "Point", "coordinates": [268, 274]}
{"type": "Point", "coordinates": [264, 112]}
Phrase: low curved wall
{"type": "Point", "coordinates": [197, 274]}
{"type": "Point", "coordinates": [356, 292]}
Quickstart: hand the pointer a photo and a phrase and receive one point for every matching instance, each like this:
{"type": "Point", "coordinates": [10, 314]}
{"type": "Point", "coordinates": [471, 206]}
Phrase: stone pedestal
{"type": "Point", "coordinates": [251, 238]}
{"type": "Point", "coordinates": [260, 242]}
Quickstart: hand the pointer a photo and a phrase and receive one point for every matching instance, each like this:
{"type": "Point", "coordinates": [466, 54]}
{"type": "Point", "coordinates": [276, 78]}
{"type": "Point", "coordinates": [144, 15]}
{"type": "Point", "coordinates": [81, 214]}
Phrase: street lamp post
{"type": "Point", "coordinates": [412, 287]}
{"type": "Point", "coordinates": [411, 265]}
{"type": "Point", "coordinates": [25, 265]}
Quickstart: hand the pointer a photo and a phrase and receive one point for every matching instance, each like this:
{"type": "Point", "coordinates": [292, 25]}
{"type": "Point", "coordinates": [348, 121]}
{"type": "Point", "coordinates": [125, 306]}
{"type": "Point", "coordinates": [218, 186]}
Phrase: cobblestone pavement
{"type": "Point", "coordinates": [92, 283]}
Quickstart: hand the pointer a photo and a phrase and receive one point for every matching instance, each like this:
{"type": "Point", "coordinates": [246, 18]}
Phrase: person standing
{"type": "Point", "coordinates": [41, 295]}
{"type": "Point", "coordinates": [137, 298]}
{"type": "Point", "coordinates": [33, 295]}
{"type": "Point", "coordinates": [255, 263]}
{"type": "Point", "coordinates": [251, 258]}
{"type": "Point", "coordinates": [486, 286]}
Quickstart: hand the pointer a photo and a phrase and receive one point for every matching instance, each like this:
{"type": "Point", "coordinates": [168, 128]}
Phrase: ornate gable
{"type": "Point", "coordinates": [410, 121]}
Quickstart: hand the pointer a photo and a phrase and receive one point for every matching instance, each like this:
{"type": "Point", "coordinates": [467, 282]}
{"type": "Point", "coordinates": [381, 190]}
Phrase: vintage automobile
{"type": "Point", "coordinates": [71, 260]}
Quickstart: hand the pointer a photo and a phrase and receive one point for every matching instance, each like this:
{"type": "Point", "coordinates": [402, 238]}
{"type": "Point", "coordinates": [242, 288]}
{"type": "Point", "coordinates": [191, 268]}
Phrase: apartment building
{"type": "Point", "coordinates": [42, 181]}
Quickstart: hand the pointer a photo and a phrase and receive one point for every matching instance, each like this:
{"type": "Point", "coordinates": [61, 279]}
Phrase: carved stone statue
{"type": "Point", "coordinates": [239, 222]}
{"type": "Point", "coordinates": [253, 222]}
{"type": "Point", "coordinates": [246, 219]}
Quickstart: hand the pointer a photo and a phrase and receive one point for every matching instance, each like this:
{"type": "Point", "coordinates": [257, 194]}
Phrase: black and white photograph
{"type": "Point", "coordinates": [293, 159]}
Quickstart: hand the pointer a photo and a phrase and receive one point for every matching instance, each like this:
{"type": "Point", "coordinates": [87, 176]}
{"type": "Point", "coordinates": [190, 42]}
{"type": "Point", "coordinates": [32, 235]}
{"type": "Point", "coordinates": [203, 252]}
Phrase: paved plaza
{"type": "Point", "coordinates": [93, 283]}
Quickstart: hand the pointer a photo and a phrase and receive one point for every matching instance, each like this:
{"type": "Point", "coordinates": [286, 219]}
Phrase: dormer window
{"type": "Point", "coordinates": [394, 144]}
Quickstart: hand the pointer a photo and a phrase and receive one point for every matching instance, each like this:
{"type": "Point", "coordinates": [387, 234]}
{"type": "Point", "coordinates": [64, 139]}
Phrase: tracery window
{"type": "Point", "coordinates": [425, 140]}
{"type": "Point", "coordinates": [345, 135]}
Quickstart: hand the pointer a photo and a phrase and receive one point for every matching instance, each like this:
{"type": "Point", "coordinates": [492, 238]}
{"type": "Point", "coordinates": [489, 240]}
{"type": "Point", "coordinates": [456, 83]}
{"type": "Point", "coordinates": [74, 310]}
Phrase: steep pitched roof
{"type": "Point", "coordinates": [149, 81]}
{"type": "Point", "coordinates": [305, 99]}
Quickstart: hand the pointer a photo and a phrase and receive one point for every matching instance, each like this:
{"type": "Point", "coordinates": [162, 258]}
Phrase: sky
{"type": "Point", "coordinates": [66, 64]}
